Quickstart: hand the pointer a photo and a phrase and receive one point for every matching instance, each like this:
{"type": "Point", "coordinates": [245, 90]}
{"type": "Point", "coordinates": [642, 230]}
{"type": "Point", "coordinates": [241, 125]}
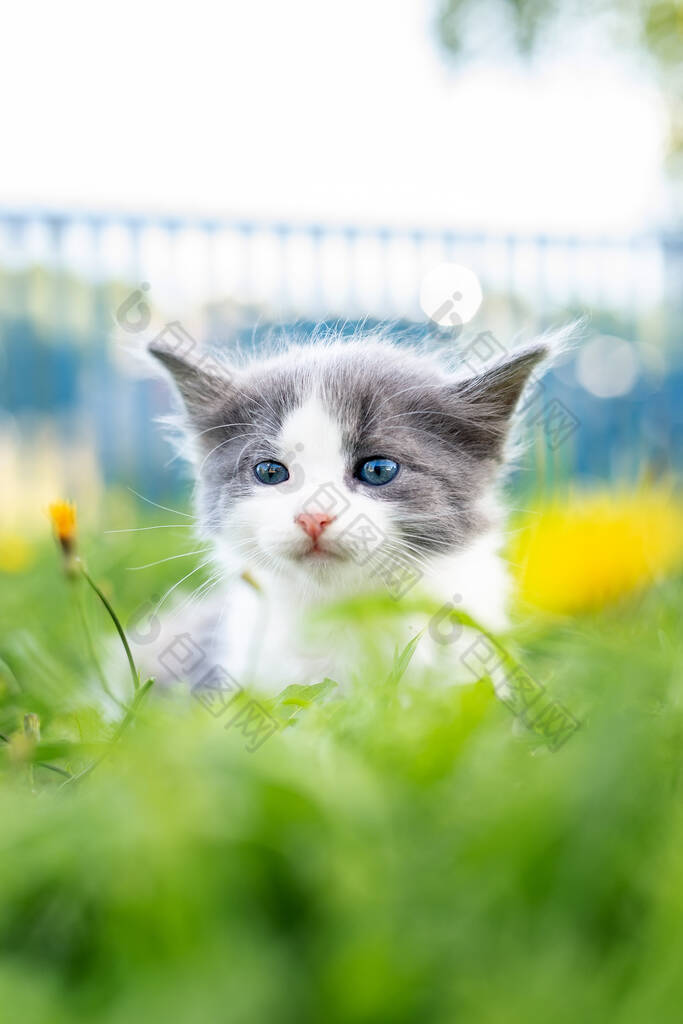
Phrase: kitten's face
{"type": "Point", "coordinates": [324, 460]}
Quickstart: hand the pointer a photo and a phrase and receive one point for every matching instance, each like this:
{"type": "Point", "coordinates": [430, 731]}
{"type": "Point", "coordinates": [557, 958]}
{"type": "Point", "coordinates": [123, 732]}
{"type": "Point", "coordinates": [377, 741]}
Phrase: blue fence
{"type": "Point", "coordinates": [66, 361]}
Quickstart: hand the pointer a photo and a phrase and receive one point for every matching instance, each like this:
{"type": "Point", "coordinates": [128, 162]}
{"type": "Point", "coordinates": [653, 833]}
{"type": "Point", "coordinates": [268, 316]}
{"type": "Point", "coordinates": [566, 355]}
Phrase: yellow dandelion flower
{"type": "Point", "coordinates": [591, 549]}
{"type": "Point", "coordinates": [63, 517]}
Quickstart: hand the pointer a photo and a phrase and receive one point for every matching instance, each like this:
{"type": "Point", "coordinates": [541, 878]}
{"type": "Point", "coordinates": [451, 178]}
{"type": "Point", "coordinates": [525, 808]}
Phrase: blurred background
{"type": "Point", "coordinates": [416, 851]}
{"type": "Point", "coordinates": [274, 164]}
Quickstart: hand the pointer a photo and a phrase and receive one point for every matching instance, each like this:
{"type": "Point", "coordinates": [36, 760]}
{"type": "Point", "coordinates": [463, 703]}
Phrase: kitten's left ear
{"type": "Point", "coordinates": [202, 381]}
{"type": "Point", "coordinates": [487, 401]}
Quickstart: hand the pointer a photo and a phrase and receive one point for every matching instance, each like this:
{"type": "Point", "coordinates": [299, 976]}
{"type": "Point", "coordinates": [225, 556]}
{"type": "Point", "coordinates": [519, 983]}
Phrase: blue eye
{"type": "Point", "coordinates": [271, 472]}
{"type": "Point", "coordinates": [377, 471]}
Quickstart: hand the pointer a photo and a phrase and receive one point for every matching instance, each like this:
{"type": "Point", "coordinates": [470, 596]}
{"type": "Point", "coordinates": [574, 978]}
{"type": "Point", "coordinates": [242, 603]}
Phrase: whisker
{"type": "Point", "coordinates": [423, 412]}
{"type": "Point", "coordinates": [235, 437]}
{"type": "Point", "coordinates": [156, 505]}
{"type": "Point", "coordinates": [170, 558]}
{"type": "Point", "coordinates": [200, 433]}
{"type": "Point", "coordinates": [239, 457]}
{"type": "Point", "coordinates": [403, 552]}
{"type": "Point", "coordinates": [403, 391]}
{"type": "Point", "coordinates": [222, 426]}
{"type": "Point", "coordinates": [218, 426]}
{"type": "Point", "coordinates": [202, 590]}
{"type": "Point", "coordinates": [163, 526]}
{"type": "Point", "coordinates": [221, 614]}
{"type": "Point", "coordinates": [189, 599]}
{"type": "Point", "coordinates": [403, 542]}
{"type": "Point", "coordinates": [275, 423]}
{"type": "Point", "coordinates": [171, 589]}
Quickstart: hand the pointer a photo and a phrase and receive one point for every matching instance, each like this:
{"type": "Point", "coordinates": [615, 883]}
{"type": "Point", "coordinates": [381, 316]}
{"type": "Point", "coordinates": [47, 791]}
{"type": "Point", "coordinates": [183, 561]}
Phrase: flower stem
{"type": "Point", "coordinates": [93, 653]}
{"type": "Point", "coordinates": [119, 628]}
{"type": "Point", "coordinates": [120, 729]}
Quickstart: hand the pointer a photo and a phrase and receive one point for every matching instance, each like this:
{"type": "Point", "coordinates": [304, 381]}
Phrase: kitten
{"type": "Point", "coordinates": [337, 468]}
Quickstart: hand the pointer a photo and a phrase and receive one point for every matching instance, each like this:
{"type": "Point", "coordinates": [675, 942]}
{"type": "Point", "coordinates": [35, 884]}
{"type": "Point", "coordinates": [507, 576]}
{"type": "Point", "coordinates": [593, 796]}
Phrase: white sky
{"type": "Point", "coordinates": [339, 111]}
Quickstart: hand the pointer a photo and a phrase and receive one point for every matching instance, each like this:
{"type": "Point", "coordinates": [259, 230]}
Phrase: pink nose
{"type": "Point", "coordinates": [313, 523]}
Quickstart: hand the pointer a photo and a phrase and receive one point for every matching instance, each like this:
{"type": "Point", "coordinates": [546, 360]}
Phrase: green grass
{"type": "Point", "coordinates": [406, 853]}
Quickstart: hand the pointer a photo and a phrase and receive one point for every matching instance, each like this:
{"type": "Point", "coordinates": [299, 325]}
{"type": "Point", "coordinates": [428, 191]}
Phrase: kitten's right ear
{"type": "Point", "coordinates": [202, 381]}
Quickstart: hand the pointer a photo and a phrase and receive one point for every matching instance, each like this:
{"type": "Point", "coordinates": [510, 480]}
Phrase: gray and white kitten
{"type": "Point", "coordinates": [340, 467]}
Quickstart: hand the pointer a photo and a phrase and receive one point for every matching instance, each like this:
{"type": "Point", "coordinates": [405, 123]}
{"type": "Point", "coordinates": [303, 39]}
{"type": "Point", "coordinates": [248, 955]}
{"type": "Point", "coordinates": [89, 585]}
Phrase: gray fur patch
{"type": "Point", "coordinates": [447, 434]}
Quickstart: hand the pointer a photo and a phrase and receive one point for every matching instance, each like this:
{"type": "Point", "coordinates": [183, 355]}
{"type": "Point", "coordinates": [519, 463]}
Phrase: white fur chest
{"type": "Point", "coordinates": [272, 637]}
